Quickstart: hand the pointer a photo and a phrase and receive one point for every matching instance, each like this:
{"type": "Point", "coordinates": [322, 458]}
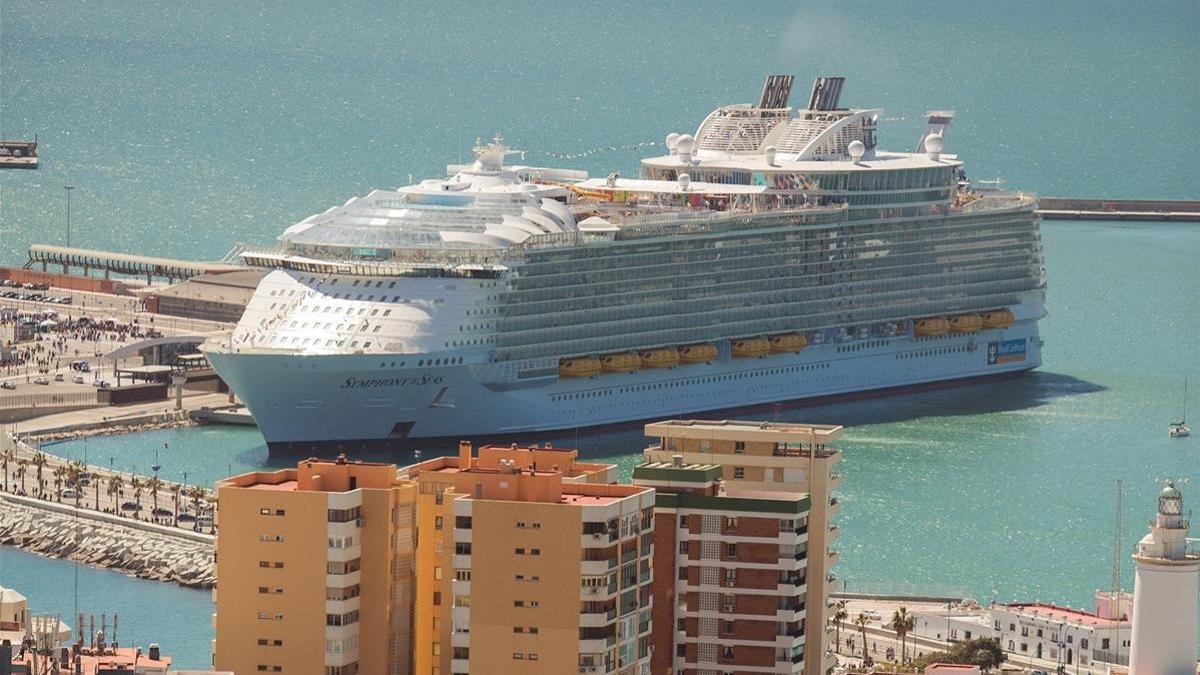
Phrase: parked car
{"type": "Point", "coordinates": [65, 300]}
{"type": "Point", "coordinates": [41, 380]}
{"type": "Point", "coordinates": [70, 493]}
{"type": "Point", "coordinates": [58, 377]}
{"type": "Point", "coordinates": [161, 511]}
{"type": "Point", "coordinates": [130, 506]}
{"type": "Point", "coordinates": [8, 385]}
{"type": "Point", "coordinates": [78, 379]}
{"type": "Point", "coordinates": [186, 518]}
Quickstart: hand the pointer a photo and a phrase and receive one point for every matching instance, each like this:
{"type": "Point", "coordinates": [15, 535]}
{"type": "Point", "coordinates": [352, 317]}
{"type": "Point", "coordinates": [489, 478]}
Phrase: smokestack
{"type": "Point", "coordinates": [464, 455]}
{"type": "Point", "coordinates": [154, 652]}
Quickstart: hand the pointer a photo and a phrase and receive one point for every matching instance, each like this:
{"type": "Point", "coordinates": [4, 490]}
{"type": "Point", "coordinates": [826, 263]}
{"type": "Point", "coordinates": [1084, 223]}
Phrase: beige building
{"type": "Point", "coordinates": [530, 562]}
{"type": "Point", "coordinates": [315, 569]}
{"type": "Point", "coordinates": [743, 545]}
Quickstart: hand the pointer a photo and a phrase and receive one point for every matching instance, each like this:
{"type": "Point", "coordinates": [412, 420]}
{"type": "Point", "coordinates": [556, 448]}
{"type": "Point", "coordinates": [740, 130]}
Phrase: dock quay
{"type": "Point", "coordinates": [1063, 208]}
{"type": "Point", "coordinates": [18, 154]}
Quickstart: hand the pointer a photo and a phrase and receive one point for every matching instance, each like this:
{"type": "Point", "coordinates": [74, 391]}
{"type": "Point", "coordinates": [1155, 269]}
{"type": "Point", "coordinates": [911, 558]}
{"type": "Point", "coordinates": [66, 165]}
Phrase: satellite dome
{"type": "Point", "coordinates": [672, 139]}
{"type": "Point", "coordinates": [856, 150]}
{"type": "Point", "coordinates": [685, 143]}
{"type": "Point", "coordinates": [684, 181]}
{"type": "Point", "coordinates": [769, 155]}
{"type": "Point", "coordinates": [934, 143]}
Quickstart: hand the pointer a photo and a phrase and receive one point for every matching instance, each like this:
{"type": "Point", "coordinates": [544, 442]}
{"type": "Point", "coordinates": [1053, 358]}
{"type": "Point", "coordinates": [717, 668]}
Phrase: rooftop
{"type": "Point", "coordinates": [745, 430]}
{"type": "Point", "coordinates": [1057, 613]}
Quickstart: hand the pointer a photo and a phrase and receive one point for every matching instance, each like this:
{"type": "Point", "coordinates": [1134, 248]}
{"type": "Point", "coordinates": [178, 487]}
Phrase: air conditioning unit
{"type": "Point", "coordinates": [593, 590]}
{"type": "Point", "coordinates": [596, 536]}
{"type": "Point", "coordinates": [729, 608]}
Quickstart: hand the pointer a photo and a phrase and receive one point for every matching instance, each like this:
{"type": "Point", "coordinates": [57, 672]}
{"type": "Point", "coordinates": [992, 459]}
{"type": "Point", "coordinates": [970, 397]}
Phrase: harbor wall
{"type": "Point", "coordinates": [1064, 208]}
{"type": "Point", "coordinates": [68, 281]}
{"type": "Point", "coordinates": [137, 548]}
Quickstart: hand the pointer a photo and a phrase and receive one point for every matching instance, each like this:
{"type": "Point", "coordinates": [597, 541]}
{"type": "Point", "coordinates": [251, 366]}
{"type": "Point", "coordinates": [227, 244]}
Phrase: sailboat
{"type": "Point", "coordinates": [1180, 429]}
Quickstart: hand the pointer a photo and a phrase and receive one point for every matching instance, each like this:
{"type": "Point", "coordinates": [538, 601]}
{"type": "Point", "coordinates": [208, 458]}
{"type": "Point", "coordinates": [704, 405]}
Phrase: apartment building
{"type": "Point", "coordinates": [742, 546]}
{"type": "Point", "coordinates": [315, 569]}
{"type": "Point", "coordinates": [530, 561]}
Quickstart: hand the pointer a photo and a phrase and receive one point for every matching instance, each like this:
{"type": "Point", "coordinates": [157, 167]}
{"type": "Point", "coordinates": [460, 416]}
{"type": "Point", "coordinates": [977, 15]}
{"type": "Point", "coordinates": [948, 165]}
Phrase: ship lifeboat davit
{"type": "Point", "coordinates": [965, 323]}
{"type": "Point", "coordinates": [997, 318]}
{"type": "Point", "coordinates": [787, 342]}
{"type": "Point", "coordinates": [664, 357]}
{"type": "Point", "coordinates": [703, 352]}
{"type": "Point", "coordinates": [621, 362]}
{"type": "Point", "coordinates": [751, 347]}
{"type": "Point", "coordinates": [934, 325]}
{"type": "Point", "coordinates": [586, 366]}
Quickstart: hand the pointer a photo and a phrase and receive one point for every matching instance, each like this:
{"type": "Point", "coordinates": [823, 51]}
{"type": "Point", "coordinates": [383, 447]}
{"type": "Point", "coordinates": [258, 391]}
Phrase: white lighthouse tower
{"type": "Point", "coordinates": [1165, 593]}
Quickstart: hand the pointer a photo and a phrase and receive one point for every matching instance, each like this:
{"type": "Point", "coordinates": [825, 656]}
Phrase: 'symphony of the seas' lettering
{"type": "Point", "coordinates": [380, 382]}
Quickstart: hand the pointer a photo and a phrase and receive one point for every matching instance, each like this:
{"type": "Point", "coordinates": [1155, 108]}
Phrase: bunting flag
{"type": "Point", "coordinates": [626, 147]}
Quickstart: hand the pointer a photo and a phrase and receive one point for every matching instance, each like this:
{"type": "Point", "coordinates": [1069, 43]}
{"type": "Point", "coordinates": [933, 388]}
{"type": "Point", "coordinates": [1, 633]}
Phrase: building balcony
{"type": "Point", "coordinates": [834, 532]}
{"type": "Point", "coordinates": [833, 557]}
{"type": "Point", "coordinates": [597, 619]}
{"type": "Point", "coordinates": [343, 554]}
{"type": "Point", "coordinates": [461, 562]}
{"type": "Point", "coordinates": [597, 592]}
{"type": "Point", "coordinates": [350, 528]}
{"type": "Point", "coordinates": [459, 665]}
{"type": "Point", "coordinates": [342, 606]}
{"type": "Point", "coordinates": [835, 480]}
{"type": "Point", "coordinates": [462, 535]}
{"type": "Point", "coordinates": [460, 638]}
{"type": "Point", "coordinates": [595, 568]}
{"type": "Point", "coordinates": [343, 580]}
{"type": "Point", "coordinates": [835, 507]}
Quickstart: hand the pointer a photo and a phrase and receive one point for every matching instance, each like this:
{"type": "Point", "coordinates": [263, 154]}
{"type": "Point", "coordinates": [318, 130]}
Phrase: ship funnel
{"type": "Point", "coordinates": [825, 93]}
{"type": "Point", "coordinates": [776, 91]}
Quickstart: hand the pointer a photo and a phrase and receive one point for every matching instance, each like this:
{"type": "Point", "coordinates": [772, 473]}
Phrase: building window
{"type": "Point", "coordinates": [739, 472]}
{"type": "Point", "coordinates": [739, 447]}
{"type": "Point", "coordinates": [731, 550]}
{"type": "Point", "coordinates": [731, 523]}
{"type": "Point", "coordinates": [437, 523]}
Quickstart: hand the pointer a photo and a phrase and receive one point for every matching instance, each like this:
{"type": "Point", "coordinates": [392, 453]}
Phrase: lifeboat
{"type": "Point", "coordinates": [965, 323]}
{"type": "Point", "coordinates": [586, 366]}
{"type": "Point", "coordinates": [621, 362]}
{"type": "Point", "coordinates": [787, 342]}
{"type": "Point", "coordinates": [703, 352]}
{"type": "Point", "coordinates": [934, 325]}
{"type": "Point", "coordinates": [751, 347]}
{"type": "Point", "coordinates": [664, 357]}
{"type": "Point", "coordinates": [997, 318]}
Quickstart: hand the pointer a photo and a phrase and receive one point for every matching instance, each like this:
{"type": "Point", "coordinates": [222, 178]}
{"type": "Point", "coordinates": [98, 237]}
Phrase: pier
{"type": "Point", "coordinates": [1065, 208]}
{"type": "Point", "coordinates": [109, 262]}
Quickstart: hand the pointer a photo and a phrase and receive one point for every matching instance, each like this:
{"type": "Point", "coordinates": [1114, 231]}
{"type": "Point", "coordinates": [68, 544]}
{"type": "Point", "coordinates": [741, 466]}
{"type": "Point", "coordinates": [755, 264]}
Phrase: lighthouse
{"type": "Point", "coordinates": [1164, 593]}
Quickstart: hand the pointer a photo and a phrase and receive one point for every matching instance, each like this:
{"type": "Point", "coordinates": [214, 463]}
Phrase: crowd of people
{"type": "Point", "coordinates": [42, 341]}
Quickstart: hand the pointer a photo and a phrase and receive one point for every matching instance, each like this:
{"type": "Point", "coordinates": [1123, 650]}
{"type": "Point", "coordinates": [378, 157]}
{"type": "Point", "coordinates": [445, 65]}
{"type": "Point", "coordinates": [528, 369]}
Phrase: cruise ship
{"type": "Point", "coordinates": [774, 255]}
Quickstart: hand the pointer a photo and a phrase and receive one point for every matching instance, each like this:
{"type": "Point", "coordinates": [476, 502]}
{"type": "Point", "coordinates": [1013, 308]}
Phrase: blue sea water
{"type": "Point", "coordinates": [187, 127]}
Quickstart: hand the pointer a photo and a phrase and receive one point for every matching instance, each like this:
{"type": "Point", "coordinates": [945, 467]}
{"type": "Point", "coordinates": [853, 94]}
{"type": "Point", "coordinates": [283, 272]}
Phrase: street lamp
{"type": "Point", "coordinates": [68, 188]}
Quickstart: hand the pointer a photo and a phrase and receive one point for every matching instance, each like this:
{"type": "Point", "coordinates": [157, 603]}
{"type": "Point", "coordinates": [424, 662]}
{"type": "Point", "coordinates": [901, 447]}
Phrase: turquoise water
{"type": "Point", "coordinates": [188, 127]}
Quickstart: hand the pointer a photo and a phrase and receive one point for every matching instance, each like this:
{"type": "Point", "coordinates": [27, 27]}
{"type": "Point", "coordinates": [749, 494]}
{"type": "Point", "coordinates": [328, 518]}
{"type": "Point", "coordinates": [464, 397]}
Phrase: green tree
{"type": "Point", "coordinates": [138, 487]}
{"type": "Point", "coordinates": [903, 623]}
{"type": "Point", "coordinates": [861, 621]}
{"type": "Point", "coordinates": [39, 462]}
{"type": "Point", "coordinates": [839, 617]}
{"type": "Point", "coordinates": [176, 488]}
{"type": "Point", "coordinates": [6, 456]}
{"type": "Point", "coordinates": [116, 485]}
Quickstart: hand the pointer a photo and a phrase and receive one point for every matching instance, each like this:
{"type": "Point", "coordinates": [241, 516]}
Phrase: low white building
{"type": "Point", "coordinates": [953, 623]}
{"type": "Point", "coordinates": [1065, 634]}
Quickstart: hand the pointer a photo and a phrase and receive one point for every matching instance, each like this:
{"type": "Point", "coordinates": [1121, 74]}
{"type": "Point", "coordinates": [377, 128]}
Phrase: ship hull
{"type": "Point", "coordinates": [320, 402]}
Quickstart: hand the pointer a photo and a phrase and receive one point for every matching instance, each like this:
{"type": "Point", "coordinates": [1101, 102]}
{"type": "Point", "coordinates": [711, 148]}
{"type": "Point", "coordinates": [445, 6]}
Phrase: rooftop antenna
{"type": "Point", "coordinates": [1116, 570]}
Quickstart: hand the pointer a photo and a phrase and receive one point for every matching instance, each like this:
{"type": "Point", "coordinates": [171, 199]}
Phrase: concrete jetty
{"type": "Point", "coordinates": [1063, 208]}
{"type": "Point", "coordinates": [141, 549]}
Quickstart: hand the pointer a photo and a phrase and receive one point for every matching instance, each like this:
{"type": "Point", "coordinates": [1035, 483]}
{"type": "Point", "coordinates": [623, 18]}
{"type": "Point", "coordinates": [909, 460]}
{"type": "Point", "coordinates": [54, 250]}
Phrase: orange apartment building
{"type": "Point", "coordinates": [539, 565]}
{"type": "Point", "coordinates": [316, 570]}
{"type": "Point", "coordinates": [742, 546]}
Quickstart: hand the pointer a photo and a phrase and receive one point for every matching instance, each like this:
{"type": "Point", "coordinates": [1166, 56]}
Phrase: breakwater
{"type": "Point", "coordinates": [135, 548]}
{"type": "Point", "coordinates": [1062, 208]}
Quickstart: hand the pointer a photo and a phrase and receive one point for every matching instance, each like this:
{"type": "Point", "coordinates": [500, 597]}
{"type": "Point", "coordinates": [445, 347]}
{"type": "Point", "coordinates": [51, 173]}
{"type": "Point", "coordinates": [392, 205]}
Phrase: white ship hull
{"type": "Point", "coordinates": [303, 403]}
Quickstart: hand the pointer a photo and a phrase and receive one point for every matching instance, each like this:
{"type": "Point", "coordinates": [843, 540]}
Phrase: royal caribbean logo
{"type": "Point", "coordinates": [1006, 351]}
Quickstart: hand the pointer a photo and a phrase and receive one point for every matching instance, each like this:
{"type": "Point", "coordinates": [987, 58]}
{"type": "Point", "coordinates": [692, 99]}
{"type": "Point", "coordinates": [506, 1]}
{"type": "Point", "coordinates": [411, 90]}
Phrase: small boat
{"type": "Point", "coordinates": [751, 347]}
{"type": "Point", "coordinates": [1180, 429]}
{"type": "Point", "coordinates": [997, 318]}
{"type": "Point", "coordinates": [965, 323]}
{"type": "Point", "coordinates": [703, 352]}
{"type": "Point", "coordinates": [787, 342]}
{"type": "Point", "coordinates": [621, 362]}
{"type": "Point", "coordinates": [934, 325]}
{"type": "Point", "coordinates": [663, 357]}
{"type": "Point", "coordinates": [18, 154]}
{"type": "Point", "coordinates": [587, 366]}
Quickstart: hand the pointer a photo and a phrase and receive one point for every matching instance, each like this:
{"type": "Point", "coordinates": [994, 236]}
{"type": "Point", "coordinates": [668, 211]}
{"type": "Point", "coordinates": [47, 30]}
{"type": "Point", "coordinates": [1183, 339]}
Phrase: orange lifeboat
{"type": "Point", "coordinates": [934, 325]}
{"type": "Point", "coordinates": [998, 318]}
{"type": "Point", "coordinates": [621, 362]}
{"type": "Point", "coordinates": [787, 342]}
{"type": "Point", "coordinates": [703, 352]}
{"type": "Point", "coordinates": [663, 357]}
{"type": "Point", "coordinates": [587, 366]}
{"type": "Point", "coordinates": [965, 323]}
{"type": "Point", "coordinates": [751, 347]}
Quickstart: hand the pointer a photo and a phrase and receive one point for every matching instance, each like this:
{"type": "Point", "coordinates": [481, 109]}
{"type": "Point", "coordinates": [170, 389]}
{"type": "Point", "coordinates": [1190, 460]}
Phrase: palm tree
{"type": "Point", "coordinates": [22, 468]}
{"type": "Point", "coordinates": [39, 461]}
{"type": "Point", "coordinates": [861, 621]}
{"type": "Point", "coordinates": [96, 482]}
{"type": "Point", "coordinates": [154, 485]}
{"type": "Point", "coordinates": [903, 623]}
{"type": "Point", "coordinates": [115, 484]}
{"type": "Point", "coordinates": [137, 486]}
{"type": "Point", "coordinates": [7, 455]}
{"type": "Point", "coordinates": [176, 488]}
{"type": "Point", "coordinates": [196, 493]}
{"type": "Point", "coordinates": [839, 617]}
{"type": "Point", "coordinates": [59, 473]}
